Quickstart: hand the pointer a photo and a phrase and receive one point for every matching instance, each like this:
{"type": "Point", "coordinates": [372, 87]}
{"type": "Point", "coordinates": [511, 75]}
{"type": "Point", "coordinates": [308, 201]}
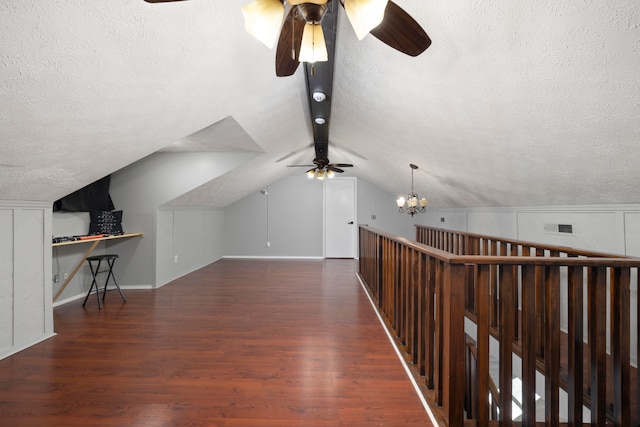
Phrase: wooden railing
{"type": "Point", "coordinates": [522, 303]}
{"type": "Point", "coordinates": [463, 243]}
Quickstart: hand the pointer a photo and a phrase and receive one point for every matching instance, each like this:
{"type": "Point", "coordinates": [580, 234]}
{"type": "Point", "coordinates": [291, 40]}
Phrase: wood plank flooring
{"type": "Point", "coordinates": [237, 343]}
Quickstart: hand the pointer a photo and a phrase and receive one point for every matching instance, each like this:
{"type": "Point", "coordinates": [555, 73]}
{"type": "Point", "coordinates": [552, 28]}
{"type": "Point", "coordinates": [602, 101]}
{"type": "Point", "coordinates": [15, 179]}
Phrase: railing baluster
{"type": "Point", "coordinates": [575, 358]}
{"type": "Point", "coordinates": [438, 344]}
{"type": "Point", "coordinates": [453, 342]}
{"type": "Point", "coordinates": [430, 347]}
{"type": "Point", "coordinates": [420, 312]}
{"type": "Point", "coordinates": [552, 346]}
{"type": "Point", "coordinates": [540, 308]}
{"type": "Point", "coordinates": [401, 294]}
{"type": "Point", "coordinates": [597, 344]}
{"type": "Point", "coordinates": [529, 346]}
{"type": "Point", "coordinates": [620, 348]}
{"type": "Point", "coordinates": [493, 289]}
{"type": "Point", "coordinates": [482, 342]}
{"type": "Point", "coordinates": [507, 335]}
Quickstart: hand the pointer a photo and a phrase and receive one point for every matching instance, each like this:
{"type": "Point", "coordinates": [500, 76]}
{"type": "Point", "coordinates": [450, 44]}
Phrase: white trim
{"type": "Point", "coordinates": [270, 257]}
{"type": "Point", "coordinates": [26, 204]}
{"type": "Point", "coordinates": [15, 350]}
{"type": "Point", "coordinates": [68, 300]}
{"type": "Point", "coordinates": [416, 387]}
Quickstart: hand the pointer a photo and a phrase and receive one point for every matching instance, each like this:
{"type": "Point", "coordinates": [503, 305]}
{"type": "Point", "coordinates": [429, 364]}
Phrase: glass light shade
{"type": "Point", "coordinates": [313, 48]}
{"type": "Point", "coordinates": [400, 202]}
{"type": "Point", "coordinates": [262, 19]}
{"type": "Point", "coordinates": [311, 174]}
{"type": "Point", "coordinates": [330, 174]}
{"type": "Point", "coordinates": [320, 175]}
{"type": "Point", "coordinates": [365, 15]}
{"type": "Point", "coordinates": [412, 202]}
{"type": "Point", "coordinates": [423, 202]}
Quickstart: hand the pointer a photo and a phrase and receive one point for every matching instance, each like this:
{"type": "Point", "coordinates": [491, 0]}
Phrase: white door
{"type": "Point", "coordinates": [340, 218]}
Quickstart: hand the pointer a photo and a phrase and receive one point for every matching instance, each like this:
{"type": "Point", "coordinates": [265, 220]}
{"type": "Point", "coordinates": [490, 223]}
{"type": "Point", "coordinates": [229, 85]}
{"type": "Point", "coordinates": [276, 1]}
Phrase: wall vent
{"type": "Point", "coordinates": [559, 228]}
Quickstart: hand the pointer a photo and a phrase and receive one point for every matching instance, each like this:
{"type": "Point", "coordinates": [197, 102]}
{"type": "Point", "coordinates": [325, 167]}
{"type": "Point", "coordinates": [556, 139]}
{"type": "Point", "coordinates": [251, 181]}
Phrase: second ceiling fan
{"type": "Point", "coordinates": [322, 168]}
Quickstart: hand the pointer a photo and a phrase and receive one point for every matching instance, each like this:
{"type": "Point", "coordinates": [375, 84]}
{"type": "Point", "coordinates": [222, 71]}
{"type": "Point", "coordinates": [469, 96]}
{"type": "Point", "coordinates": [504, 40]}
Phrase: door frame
{"type": "Point", "coordinates": [355, 214]}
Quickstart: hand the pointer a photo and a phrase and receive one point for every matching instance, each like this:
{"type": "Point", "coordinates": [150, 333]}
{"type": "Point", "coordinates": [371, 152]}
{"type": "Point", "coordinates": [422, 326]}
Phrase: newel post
{"type": "Point", "coordinates": [453, 347]}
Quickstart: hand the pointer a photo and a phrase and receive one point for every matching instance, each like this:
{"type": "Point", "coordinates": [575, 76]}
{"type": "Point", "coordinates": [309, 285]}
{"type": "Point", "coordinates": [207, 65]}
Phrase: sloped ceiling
{"type": "Point", "coordinates": [515, 103]}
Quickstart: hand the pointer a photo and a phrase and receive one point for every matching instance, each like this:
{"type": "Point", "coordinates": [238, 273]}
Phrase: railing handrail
{"type": "Point", "coordinates": [582, 259]}
{"type": "Point", "coordinates": [557, 248]}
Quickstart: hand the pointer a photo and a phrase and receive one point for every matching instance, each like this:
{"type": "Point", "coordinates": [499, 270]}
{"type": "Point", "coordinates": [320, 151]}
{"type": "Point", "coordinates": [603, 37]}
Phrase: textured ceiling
{"type": "Point", "coordinates": [515, 103]}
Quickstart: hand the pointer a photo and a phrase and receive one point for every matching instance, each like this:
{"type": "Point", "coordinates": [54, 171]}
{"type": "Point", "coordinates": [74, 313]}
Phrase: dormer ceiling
{"type": "Point", "coordinates": [514, 103]}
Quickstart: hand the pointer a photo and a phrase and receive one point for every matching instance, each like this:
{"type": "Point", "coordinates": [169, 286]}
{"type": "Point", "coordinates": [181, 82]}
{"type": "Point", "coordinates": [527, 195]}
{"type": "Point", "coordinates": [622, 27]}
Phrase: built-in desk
{"type": "Point", "coordinates": [94, 243]}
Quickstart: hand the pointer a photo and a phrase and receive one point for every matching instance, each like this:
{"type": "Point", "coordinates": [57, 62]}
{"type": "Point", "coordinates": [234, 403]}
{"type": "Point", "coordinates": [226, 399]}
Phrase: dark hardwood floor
{"type": "Point", "coordinates": [237, 343]}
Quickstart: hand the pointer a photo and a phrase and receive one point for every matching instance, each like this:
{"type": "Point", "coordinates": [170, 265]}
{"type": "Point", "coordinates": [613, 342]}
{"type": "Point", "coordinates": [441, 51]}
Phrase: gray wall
{"type": "Point", "coordinates": [372, 201]}
{"type": "Point", "coordinates": [289, 216]}
{"type": "Point", "coordinates": [141, 188]}
{"type": "Point", "coordinates": [605, 228]}
{"type": "Point", "coordinates": [188, 239]}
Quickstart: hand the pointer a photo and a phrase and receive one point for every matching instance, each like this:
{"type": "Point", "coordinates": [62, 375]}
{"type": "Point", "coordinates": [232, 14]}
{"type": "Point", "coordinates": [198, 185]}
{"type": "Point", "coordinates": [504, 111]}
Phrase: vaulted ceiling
{"type": "Point", "coordinates": [515, 103]}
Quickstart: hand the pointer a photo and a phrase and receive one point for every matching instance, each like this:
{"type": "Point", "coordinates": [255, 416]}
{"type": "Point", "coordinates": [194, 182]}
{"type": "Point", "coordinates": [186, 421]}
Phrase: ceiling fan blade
{"type": "Point", "coordinates": [400, 31]}
{"type": "Point", "coordinates": [349, 151]}
{"type": "Point", "coordinates": [301, 166]}
{"type": "Point", "coordinates": [335, 169]}
{"type": "Point", "coordinates": [341, 165]}
{"type": "Point", "coordinates": [289, 44]}
{"type": "Point", "coordinates": [295, 152]}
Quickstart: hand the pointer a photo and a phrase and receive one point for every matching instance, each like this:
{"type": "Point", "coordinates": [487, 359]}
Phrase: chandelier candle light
{"type": "Point", "coordinates": [413, 203]}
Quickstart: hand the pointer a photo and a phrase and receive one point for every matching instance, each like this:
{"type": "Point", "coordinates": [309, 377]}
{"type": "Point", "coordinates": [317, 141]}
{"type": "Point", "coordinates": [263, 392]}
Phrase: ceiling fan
{"type": "Point", "coordinates": [301, 36]}
{"type": "Point", "coordinates": [322, 168]}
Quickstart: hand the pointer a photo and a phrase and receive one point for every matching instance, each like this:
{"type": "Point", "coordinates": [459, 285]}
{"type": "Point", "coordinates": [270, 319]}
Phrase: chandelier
{"type": "Point", "coordinates": [413, 204]}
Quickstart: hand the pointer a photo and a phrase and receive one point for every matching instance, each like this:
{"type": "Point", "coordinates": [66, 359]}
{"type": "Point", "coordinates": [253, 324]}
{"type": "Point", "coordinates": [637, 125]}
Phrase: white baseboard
{"type": "Point", "coordinates": [270, 257]}
{"type": "Point", "coordinates": [15, 350]}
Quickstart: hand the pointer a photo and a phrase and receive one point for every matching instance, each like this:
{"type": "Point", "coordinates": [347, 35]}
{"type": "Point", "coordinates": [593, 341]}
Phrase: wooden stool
{"type": "Point", "coordinates": [94, 265]}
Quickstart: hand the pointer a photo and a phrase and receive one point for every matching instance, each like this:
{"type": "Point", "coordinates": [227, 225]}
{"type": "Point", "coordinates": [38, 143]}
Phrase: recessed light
{"type": "Point", "coordinates": [319, 96]}
{"type": "Point", "coordinates": [320, 120]}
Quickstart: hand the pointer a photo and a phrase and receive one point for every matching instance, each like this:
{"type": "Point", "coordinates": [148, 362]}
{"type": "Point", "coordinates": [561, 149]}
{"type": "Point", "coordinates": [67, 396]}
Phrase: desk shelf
{"type": "Point", "coordinates": [94, 243]}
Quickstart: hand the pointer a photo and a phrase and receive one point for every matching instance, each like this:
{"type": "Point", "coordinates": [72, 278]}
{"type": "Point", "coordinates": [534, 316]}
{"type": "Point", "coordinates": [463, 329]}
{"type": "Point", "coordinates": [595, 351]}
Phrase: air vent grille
{"type": "Point", "coordinates": [559, 228]}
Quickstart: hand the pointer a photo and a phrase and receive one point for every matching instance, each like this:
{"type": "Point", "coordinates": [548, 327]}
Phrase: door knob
{"type": "Point", "coordinates": [350, 222]}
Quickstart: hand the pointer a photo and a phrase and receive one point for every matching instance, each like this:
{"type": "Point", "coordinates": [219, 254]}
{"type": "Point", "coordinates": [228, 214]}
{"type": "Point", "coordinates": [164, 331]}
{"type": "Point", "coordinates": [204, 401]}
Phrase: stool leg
{"type": "Point", "coordinates": [97, 287]}
{"type": "Point", "coordinates": [110, 275]}
{"type": "Point", "coordinates": [93, 283]}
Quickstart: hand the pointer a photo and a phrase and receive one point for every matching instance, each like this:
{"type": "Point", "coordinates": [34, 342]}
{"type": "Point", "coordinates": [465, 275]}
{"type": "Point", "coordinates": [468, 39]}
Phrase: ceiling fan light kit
{"type": "Point", "coordinates": [413, 203]}
{"type": "Point", "coordinates": [365, 15]}
{"type": "Point", "coordinates": [262, 20]}
{"type": "Point", "coordinates": [313, 48]}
